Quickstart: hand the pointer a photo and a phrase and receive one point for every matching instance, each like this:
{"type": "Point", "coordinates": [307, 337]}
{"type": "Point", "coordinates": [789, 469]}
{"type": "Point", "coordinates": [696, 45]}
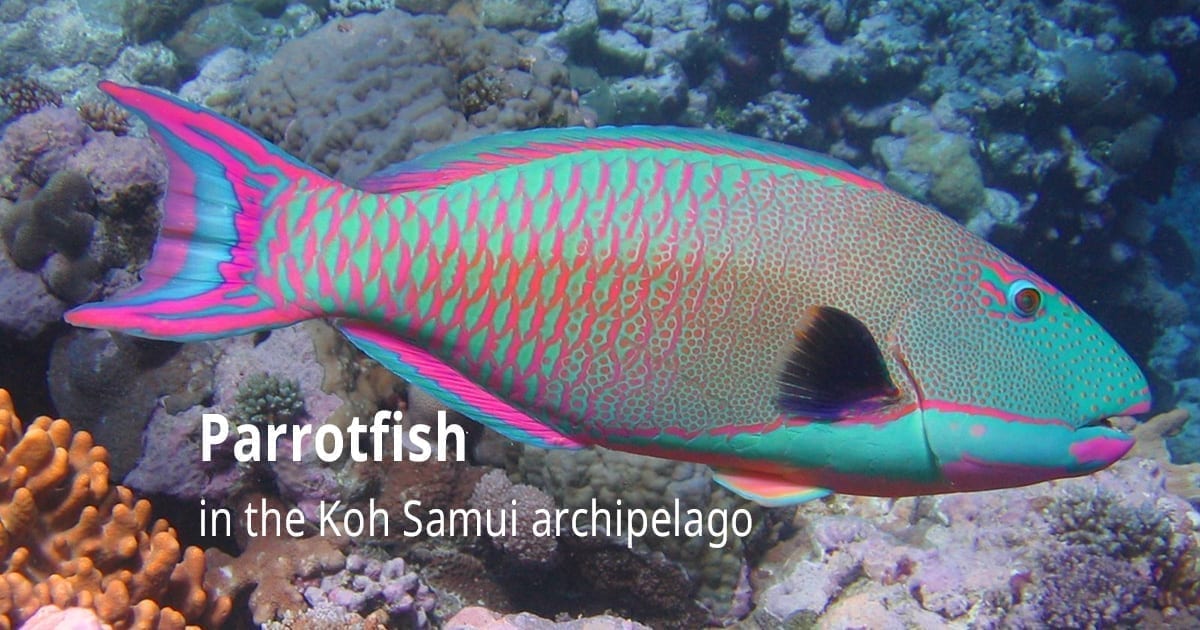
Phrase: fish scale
{"type": "Point", "coordinates": [677, 293]}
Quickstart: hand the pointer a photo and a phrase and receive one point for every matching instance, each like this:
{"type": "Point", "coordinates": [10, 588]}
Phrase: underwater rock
{"type": "Point", "coordinates": [172, 435]}
{"type": "Point", "coordinates": [113, 384]}
{"type": "Point", "coordinates": [84, 201]}
{"type": "Point", "coordinates": [148, 20]}
{"type": "Point", "coordinates": [27, 308]}
{"type": "Point", "coordinates": [148, 64]}
{"type": "Point", "coordinates": [506, 15]}
{"type": "Point", "coordinates": [56, 34]}
{"type": "Point", "coordinates": [395, 101]}
{"type": "Point", "coordinates": [1133, 146]}
{"type": "Point", "coordinates": [649, 99]}
{"type": "Point", "coordinates": [354, 7]}
{"type": "Point", "coordinates": [1113, 88]}
{"type": "Point", "coordinates": [220, 26]}
{"type": "Point", "coordinates": [221, 79]}
{"type": "Point", "coordinates": [37, 145]}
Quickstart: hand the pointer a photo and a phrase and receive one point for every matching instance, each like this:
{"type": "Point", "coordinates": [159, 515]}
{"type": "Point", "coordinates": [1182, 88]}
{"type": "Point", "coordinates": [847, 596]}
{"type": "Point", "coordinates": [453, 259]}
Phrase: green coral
{"type": "Point", "coordinates": [56, 218]}
{"type": "Point", "coordinates": [725, 116]}
{"type": "Point", "coordinates": [266, 399]}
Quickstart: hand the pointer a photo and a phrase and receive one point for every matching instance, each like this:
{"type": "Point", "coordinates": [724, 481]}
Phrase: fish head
{"type": "Point", "coordinates": [1014, 381]}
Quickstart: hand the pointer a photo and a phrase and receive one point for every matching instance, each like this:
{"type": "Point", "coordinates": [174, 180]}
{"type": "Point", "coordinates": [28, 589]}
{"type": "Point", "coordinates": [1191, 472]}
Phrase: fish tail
{"type": "Point", "coordinates": [204, 280]}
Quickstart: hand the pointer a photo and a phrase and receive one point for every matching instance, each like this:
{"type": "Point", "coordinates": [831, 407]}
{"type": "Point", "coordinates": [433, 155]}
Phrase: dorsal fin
{"type": "Point", "coordinates": [482, 155]}
{"type": "Point", "coordinates": [834, 370]}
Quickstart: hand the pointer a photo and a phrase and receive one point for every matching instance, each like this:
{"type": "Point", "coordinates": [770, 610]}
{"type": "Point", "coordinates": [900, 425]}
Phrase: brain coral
{"type": "Point", "coordinates": [362, 93]}
{"type": "Point", "coordinates": [68, 538]}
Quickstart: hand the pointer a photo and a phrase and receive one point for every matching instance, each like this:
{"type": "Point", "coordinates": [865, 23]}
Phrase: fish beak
{"type": "Point", "coordinates": [977, 450]}
{"type": "Point", "coordinates": [1098, 445]}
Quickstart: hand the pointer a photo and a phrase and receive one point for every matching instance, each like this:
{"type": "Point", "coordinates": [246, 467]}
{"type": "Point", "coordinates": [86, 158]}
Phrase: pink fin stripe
{"type": "Point", "coordinates": [154, 323]}
{"type": "Point", "coordinates": [421, 367]}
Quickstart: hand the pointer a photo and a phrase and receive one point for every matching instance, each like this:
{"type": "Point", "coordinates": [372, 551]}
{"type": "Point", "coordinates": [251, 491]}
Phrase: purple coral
{"type": "Point", "coordinates": [367, 585]}
{"type": "Point", "coordinates": [1082, 587]}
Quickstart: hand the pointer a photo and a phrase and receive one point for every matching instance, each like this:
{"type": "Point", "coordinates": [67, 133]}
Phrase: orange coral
{"type": "Point", "coordinates": [68, 538]}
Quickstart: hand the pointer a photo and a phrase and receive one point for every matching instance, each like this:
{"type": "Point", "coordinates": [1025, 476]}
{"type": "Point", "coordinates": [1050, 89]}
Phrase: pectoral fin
{"type": "Point", "coordinates": [834, 370]}
{"type": "Point", "coordinates": [765, 489]}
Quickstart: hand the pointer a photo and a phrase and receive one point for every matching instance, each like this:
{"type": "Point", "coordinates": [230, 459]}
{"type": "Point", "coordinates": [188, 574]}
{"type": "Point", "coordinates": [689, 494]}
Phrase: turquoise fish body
{"type": "Point", "coordinates": [677, 293]}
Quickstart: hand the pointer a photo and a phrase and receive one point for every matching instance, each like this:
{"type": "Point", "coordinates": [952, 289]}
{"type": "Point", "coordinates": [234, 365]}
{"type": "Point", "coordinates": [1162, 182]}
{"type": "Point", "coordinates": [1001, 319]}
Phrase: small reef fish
{"type": "Point", "coordinates": [678, 293]}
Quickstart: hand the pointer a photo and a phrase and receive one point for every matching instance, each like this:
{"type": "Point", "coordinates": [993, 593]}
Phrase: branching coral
{"type": "Point", "coordinates": [21, 96]}
{"type": "Point", "coordinates": [267, 399]}
{"type": "Point", "coordinates": [105, 116]}
{"type": "Point", "coordinates": [68, 538]}
{"type": "Point", "coordinates": [1104, 520]}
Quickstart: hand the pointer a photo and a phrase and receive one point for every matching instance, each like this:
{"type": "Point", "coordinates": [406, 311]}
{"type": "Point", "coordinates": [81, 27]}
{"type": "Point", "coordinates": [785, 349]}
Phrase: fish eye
{"type": "Point", "coordinates": [1024, 298]}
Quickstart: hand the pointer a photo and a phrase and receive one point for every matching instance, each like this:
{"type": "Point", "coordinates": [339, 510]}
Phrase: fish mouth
{"type": "Point", "coordinates": [1122, 420]}
{"type": "Point", "coordinates": [1107, 422]}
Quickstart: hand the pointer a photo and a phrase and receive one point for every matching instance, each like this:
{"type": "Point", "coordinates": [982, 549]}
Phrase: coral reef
{"type": "Point", "coordinates": [289, 580]}
{"type": "Point", "coordinates": [641, 50]}
{"type": "Point", "coordinates": [56, 218]}
{"type": "Point", "coordinates": [1041, 125]}
{"type": "Point", "coordinates": [1114, 547]}
{"type": "Point", "coordinates": [170, 461]}
{"type": "Point", "coordinates": [75, 203]}
{"type": "Point", "coordinates": [145, 20]}
{"type": "Point", "coordinates": [414, 84]}
{"type": "Point", "coordinates": [711, 577]}
{"type": "Point", "coordinates": [1182, 479]}
{"type": "Point", "coordinates": [273, 569]}
{"type": "Point", "coordinates": [54, 618]}
{"type": "Point", "coordinates": [68, 538]}
{"type": "Point", "coordinates": [219, 26]}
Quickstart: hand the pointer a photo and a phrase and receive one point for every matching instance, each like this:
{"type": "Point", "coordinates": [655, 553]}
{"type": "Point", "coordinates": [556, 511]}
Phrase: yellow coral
{"type": "Point", "coordinates": [69, 538]}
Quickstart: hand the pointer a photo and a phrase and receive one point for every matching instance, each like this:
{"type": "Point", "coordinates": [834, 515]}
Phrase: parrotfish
{"type": "Point", "coordinates": [679, 293]}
